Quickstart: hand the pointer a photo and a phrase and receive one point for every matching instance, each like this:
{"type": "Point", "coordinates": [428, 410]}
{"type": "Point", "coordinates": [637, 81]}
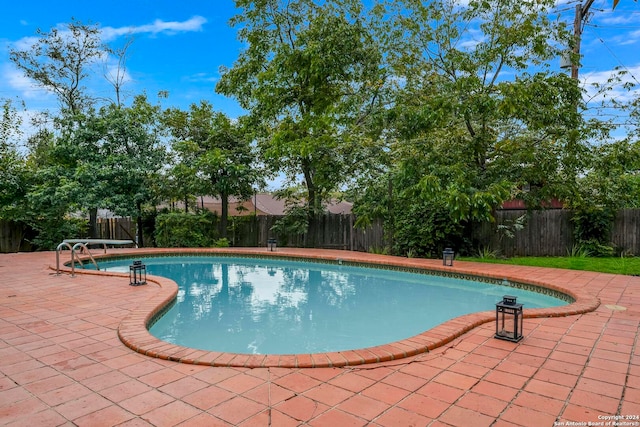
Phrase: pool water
{"type": "Point", "coordinates": [262, 306]}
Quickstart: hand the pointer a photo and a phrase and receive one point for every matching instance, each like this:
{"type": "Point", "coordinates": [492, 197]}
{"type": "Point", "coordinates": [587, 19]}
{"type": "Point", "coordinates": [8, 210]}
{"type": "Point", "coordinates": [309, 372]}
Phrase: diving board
{"type": "Point", "coordinates": [103, 242]}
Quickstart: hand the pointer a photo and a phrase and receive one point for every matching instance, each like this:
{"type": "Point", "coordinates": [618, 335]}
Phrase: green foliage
{"type": "Point", "coordinates": [578, 251]}
{"type": "Point", "coordinates": [222, 243]}
{"type": "Point", "coordinates": [213, 154]}
{"type": "Point", "coordinates": [61, 60]}
{"type": "Point", "coordinates": [485, 252]}
{"type": "Point", "coordinates": [592, 230]}
{"type": "Point", "coordinates": [295, 222]}
{"type": "Point", "coordinates": [311, 78]}
{"type": "Point", "coordinates": [51, 231]}
{"type": "Point", "coordinates": [182, 230]}
{"type": "Point", "coordinates": [14, 176]}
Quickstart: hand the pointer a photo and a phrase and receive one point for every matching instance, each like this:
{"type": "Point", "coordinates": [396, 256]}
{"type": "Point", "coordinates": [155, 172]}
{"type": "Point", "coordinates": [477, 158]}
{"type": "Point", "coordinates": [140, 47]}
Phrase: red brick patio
{"type": "Point", "coordinates": [63, 362]}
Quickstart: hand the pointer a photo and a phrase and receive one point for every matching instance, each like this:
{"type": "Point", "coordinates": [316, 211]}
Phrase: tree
{"type": "Point", "coordinates": [13, 172]}
{"type": "Point", "coordinates": [133, 158]}
{"type": "Point", "coordinates": [217, 151]}
{"type": "Point", "coordinates": [311, 78]}
{"type": "Point", "coordinates": [472, 124]}
{"type": "Point", "coordinates": [60, 61]}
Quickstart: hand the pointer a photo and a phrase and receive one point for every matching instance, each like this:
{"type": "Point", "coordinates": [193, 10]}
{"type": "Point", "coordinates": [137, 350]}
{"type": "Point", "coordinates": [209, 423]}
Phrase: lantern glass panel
{"type": "Point", "coordinates": [447, 257]}
{"type": "Point", "coordinates": [509, 319]}
{"type": "Point", "coordinates": [137, 273]}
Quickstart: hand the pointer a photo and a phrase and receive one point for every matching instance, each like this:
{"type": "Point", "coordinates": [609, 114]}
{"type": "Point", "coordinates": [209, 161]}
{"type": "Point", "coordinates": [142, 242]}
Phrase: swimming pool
{"type": "Point", "coordinates": [274, 306]}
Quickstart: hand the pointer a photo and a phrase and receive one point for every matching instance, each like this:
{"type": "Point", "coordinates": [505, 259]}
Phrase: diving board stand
{"type": "Point", "coordinates": [103, 242]}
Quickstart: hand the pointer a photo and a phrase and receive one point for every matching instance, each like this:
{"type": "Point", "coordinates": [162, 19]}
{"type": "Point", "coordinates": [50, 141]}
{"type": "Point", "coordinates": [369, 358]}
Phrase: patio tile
{"type": "Point", "coordinates": [482, 404]}
{"type": "Point", "coordinates": [277, 419]}
{"type": "Point", "coordinates": [64, 394]}
{"type": "Point", "coordinates": [579, 414]}
{"type": "Point", "coordinates": [336, 417]}
{"type": "Point", "coordinates": [555, 377]}
{"type": "Point", "coordinates": [236, 410]}
{"type": "Point", "coordinates": [331, 395]}
{"type": "Point", "coordinates": [161, 377]}
{"type": "Point", "coordinates": [59, 347]}
{"type": "Point", "coordinates": [240, 383]}
{"type": "Point", "coordinates": [208, 397]}
{"type": "Point", "coordinates": [499, 391]}
{"type": "Point", "coordinates": [171, 414]}
{"type": "Point", "coordinates": [20, 410]}
{"type": "Point", "coordinates": [354, 382]}
{"type": "Point", "coordinates": [301, 408]}
{"type": "Point", "coordinates": [442, 392]}
{"type": "Point", "coordinates": [428, 406]}
{"type": "Point", "coordinates": [81, 406]}
{"type": "Point", "coordinates": [297, 382]}
{"type": "Point", "coordinates": [397, 417]}
{"type": "Point", "coordinates": [363, 407]}
{"type": "Point", "coordinates": [601, 387]}
{"type": "Point", "coordinates": [183, 387]}
{"type": "Point", "coordinates": [539, 403]}
{"type": "Point", "coordinates": [454, 379]}
{"type": "Point", "coordinates": [110, 416]}
{"type": "Point", "coordinates": [544, 388]}
{"type": "Point", "coordinates": [519, 415]}
{"type": "Point", "coordinates": [462, 417]}
{"type": "Point", "coordinates": [604, 404]}
{"type": "Point", "coordinates": [145, 402]}
{"type": "Point", "coordinates": [125, 390]}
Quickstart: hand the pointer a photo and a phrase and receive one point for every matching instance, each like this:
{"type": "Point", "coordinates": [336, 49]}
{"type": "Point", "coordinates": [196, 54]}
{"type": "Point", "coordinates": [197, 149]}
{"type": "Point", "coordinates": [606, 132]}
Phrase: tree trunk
{"type": "Point", "coordinates": [93, 223]}
{"type": "Point", "coordinates": [224, 197]}
{"type": "Point", "coordinates": [140, 241]}
{"type": "Point", "coordinates": [312, 214]}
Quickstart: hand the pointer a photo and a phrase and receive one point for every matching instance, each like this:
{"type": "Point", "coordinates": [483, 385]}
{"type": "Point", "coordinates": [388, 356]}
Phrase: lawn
{"type": "Point", "coordinates": [616, 265]}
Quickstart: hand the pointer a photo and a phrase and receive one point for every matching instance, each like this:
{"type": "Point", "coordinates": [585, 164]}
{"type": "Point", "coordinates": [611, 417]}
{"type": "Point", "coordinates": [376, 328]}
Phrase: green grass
{"type": "Point", "coordinates": [616, 265]}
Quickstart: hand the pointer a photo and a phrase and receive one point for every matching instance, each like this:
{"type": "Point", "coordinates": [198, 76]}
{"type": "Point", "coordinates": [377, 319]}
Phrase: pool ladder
{"type": "Point", "coordinates": [74, 256]}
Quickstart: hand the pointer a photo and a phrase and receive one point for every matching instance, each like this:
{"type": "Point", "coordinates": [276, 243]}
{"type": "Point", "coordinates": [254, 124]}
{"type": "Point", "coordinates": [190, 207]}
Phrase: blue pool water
{"type": "Point", "coordinates": [262, 306]}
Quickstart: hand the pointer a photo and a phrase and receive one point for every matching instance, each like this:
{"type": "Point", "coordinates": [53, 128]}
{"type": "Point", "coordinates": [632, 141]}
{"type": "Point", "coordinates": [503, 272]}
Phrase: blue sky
{"type": "Point", "coordinates": [179, 46]}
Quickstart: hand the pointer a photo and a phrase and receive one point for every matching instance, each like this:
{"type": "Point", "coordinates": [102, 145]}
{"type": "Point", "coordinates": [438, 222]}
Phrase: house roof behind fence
{"type": "Point", "coordinates": [263, 204]}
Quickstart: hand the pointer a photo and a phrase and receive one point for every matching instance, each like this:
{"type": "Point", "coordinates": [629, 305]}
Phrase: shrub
{"type": "Point", "coordinates": [181, 230]}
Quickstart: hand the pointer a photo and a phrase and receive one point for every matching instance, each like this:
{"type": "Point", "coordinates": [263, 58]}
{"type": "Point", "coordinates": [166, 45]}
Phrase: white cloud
{"type": "Point", "coordinates": [195, 23]}
{"type": "Point", "coordinates": [618, 91]}
{"type": "Point", "coordinates": [18, 82]}
{"type": "Point", "coordinates": [201, 77]}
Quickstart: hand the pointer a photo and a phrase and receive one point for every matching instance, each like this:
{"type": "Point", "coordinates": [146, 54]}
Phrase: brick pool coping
{"type": "Point", "coordinates": [133, 331]}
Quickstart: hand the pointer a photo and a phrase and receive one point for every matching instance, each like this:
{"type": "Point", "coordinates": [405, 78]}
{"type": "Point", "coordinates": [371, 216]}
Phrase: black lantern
{"type": "Point", "coordinates": [137, 273]}
{"type": "Point", "coordinates": [271, 244]}
{"type": "Point", "coordinates": [509, 319]}
{"type": "Point", "coordinates": [447, 257]}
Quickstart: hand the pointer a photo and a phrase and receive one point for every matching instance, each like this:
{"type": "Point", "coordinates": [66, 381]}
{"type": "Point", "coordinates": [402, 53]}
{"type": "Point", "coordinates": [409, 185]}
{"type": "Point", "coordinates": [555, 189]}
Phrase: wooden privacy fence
{"type": "Point", "coordinates": [13, 237]}
{"type": "Point", "coordinates": [116, 228]}
{"type": "Point", "coordinates": [550, 233]}
{"type": "Point", "coordinates": [335, 231]}
{"type": "Point", "coordinates": [545, 233]}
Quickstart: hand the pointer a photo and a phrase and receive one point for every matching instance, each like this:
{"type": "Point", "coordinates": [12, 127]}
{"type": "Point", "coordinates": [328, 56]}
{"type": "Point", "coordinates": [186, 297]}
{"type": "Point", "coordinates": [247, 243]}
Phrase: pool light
{"type": "Point", "coordinates": [447, 257]}
{"type": "Point", "coordinates": [137, 273]}
{"type": "Point", "coordinates": [509, 319]}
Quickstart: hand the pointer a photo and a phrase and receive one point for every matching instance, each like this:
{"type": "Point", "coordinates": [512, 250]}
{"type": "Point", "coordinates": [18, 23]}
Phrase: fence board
{"type": "Point", "coordinates": [546, 233]}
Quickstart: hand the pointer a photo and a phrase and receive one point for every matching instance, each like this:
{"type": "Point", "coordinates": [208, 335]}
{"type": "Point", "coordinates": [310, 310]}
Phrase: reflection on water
{"type": "Point", "coordinates": [276, 307]}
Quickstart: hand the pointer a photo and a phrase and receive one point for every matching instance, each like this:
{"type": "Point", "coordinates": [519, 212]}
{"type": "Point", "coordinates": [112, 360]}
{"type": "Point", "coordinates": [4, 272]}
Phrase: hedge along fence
{"type": "Point", "coordinates": [546, 233]}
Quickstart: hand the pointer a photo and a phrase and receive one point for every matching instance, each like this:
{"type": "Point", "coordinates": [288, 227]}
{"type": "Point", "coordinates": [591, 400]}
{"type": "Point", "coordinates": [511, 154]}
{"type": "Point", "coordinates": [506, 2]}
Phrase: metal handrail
{"type": "Point", "coordinates": [73, 255]}
{"type": "Point", "coordinates": [60, 247]}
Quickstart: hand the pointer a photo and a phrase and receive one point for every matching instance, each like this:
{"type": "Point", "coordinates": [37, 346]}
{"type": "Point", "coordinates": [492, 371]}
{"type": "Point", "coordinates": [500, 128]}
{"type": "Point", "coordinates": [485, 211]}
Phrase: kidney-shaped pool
{"type": "Point", "coordinates": [277, 306]}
